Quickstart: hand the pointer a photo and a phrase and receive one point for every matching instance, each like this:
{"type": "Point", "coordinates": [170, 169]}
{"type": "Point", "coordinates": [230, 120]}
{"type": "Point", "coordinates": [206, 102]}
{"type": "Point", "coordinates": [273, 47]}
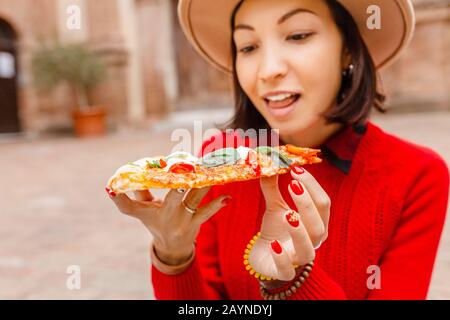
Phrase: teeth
{"type": "Point", "coordinates": [280, 97]}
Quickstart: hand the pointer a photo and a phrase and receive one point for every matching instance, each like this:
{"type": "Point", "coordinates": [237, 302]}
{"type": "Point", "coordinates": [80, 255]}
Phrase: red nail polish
{"type": "Point", "coordinates": [276, 247]}
{"type": "Point", "coordinates": [111, 193]}
{"type": "Point", "coordinates": [226, 201]}
{"type": "Point", "coordinates": [298, 170]}
{"type": "Point", "coordinates": [297, 187]}
{"type": "Point", "coordinates": [293, 218]}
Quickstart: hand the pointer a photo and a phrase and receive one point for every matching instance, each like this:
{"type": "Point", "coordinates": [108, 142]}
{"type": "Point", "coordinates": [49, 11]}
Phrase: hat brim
{"type": "Point", "coordinates": [207, 25]}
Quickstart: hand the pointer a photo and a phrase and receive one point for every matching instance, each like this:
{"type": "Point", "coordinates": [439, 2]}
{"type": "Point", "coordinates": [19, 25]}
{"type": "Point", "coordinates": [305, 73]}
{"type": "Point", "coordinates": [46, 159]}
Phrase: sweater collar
{"type": "Point", "coordinates": [340, 148]}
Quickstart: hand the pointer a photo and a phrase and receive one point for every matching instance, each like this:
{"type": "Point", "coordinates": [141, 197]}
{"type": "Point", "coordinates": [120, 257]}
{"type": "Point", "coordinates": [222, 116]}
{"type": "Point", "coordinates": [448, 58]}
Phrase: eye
{"type": "Point", "coordinates": [299, 36]}
{"type": "Point", "coordinates": [247, 49]}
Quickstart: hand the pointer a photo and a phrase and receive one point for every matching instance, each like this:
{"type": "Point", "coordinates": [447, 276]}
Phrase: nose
{"type": "Point", "coordinates": [273, 66]}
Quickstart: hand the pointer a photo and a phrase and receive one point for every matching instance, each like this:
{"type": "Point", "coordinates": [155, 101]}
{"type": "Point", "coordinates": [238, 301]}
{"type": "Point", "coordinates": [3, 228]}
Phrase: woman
{"type": "Point", "coordinates": [308, 69]}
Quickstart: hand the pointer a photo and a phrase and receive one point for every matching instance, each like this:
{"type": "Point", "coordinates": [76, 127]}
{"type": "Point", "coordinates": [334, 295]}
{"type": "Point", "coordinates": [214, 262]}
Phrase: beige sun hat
{"type": "Point", "coordinates": [207, 26]}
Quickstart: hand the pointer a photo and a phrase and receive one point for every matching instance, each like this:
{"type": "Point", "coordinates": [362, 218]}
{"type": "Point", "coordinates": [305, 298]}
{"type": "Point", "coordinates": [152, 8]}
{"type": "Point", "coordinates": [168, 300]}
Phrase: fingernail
{"type": "Point", "coordinates": [276, 247]}
{"type": "Point", "coordinates": [111, 193]}
{"type": "Point", "coordinates": [298, 170]}
{"type": "Point", "coordinates": [297, 187]}
{"type": "Point", "coordinates": [293, 218]}
{"type": "Point", "coordinates": [226, 201]}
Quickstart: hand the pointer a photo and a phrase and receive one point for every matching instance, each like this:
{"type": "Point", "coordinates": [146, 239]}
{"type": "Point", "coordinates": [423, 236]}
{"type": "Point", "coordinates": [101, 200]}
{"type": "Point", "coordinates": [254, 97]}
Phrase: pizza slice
{"type": "Point", "coordinates": [183, 170]}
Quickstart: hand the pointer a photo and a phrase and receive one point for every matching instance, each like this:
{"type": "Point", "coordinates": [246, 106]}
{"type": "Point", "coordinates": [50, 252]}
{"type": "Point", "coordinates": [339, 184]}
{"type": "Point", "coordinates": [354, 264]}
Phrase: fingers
{"type": "Point", "coordinates": [303, 247]}
{"type": "Point", "coordinates": [133, 208]}
{"type": "Point", "coordinates": [272, 195]}
{"type": "Point", "coordinates": [191, 199]}
{"type": "Point", "coordinates": [195, 196]}
{"type": "Point", "coordinates": [143, 195]}
{"type": "Point", "coordinates": [173, 199]}
{"type": "Point", "coordinates": [308, 211]}
{"type": "Point", "coordinates": [286, 271]}
{"type": "Point", "coordinates": [147, 197]}
{"type": "Point", "coordinates": [205, 212]}
{"type": "Point", "coordinates": [320, 198]}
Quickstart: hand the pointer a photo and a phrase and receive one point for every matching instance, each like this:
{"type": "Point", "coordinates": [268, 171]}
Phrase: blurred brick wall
{"type": "Point", "coordinates": [420, 79]}
{"type": "Point", "coordinates": [29, 26]}
{"type": "Point", "coordinates": [42, 111]}
{"type": "Point", "coordinates": [106, 39]}
{"type": "Point", "coordinates": [199, 84]}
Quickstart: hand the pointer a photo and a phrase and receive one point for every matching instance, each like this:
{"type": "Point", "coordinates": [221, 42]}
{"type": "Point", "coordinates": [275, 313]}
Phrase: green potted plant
{"type": "Point", "coordinates": [82, 70]}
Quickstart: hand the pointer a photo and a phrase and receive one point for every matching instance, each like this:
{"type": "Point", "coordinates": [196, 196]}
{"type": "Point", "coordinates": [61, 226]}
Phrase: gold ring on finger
{"type": "Point", "coordinates": [190, 210]}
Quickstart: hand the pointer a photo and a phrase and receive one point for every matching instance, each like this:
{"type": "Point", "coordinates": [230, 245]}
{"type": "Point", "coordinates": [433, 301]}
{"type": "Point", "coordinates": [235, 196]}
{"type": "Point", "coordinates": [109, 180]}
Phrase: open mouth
{"type": "Point", "coordinates": [281, 105]}
{"type": "Point", "coordinates": [282, 101]}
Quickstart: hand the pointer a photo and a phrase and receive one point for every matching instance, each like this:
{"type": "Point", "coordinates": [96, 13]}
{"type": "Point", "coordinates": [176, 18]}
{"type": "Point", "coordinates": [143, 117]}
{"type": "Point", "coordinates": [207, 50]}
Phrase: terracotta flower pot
{"type": "Point", "coordinates": [91, 122]}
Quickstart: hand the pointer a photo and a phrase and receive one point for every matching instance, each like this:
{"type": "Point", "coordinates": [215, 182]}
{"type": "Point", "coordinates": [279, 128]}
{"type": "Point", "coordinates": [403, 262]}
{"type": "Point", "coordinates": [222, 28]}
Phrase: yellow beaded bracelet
{"type": "Point", "coordinates": [249, 267]}
{"type": "Point", "coordinates": [247, 264]}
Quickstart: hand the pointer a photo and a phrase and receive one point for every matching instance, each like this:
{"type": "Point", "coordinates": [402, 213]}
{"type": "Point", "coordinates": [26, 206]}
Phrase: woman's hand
{"type": "Point", "coordinates": [173, 227]}
{"type": "Point", "coordinates": [289, 238]}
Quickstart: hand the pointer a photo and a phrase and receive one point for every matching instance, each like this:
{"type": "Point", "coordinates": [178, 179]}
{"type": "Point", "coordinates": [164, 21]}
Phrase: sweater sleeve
{"type": "Point", "coordinates": [201, 280]}
{"type": "Point", "coordinates": [407, 264]}
{"type": "Point", "coordinates": [319, 286]}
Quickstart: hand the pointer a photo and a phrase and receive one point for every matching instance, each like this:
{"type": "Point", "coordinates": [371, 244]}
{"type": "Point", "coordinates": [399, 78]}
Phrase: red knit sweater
{"type": "Point", "coordinates": [388, 210]}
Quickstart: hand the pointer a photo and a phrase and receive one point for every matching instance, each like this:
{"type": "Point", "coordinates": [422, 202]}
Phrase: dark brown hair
{"type": "Point", "coordinates": [358, 92]}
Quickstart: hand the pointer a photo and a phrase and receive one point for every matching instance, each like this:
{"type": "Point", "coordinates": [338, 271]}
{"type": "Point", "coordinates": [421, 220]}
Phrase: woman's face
{"type": "Point", "coordinates": [289, 61]}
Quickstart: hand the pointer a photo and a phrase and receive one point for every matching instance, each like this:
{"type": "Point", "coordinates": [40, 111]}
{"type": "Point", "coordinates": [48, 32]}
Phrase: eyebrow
{"type": "Point", "coordinates": [280, 21]}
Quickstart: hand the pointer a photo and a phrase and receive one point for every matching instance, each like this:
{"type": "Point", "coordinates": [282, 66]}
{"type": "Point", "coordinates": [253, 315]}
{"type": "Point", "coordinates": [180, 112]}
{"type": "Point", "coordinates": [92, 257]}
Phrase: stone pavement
{"type": "Point", "coordinates": [54, 212]}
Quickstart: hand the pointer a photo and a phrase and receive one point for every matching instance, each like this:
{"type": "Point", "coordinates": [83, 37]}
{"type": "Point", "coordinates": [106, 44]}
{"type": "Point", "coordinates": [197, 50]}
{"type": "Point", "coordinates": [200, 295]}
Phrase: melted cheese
{"type": "Point", "coordinates": [243, 152]}
{"type": "Point", "coordinates": [180, 157]}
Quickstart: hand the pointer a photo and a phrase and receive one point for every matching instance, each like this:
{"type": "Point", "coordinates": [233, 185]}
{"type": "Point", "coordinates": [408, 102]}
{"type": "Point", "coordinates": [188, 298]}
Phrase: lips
{"type": "Point", "coordinates": [283, 103]}
{"type": "Point", "coordinates": [280, 109]}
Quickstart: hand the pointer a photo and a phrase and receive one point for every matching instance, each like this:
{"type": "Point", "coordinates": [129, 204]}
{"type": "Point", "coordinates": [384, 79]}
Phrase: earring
{"type": "Point", "coordinates": [349, 71]}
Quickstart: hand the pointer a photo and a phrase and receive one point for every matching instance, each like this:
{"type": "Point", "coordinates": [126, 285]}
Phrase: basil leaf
{"type": "Point", "coordinates": [287, 162]}
{"type": "Point", "coordinates": [264, 150]}
{"type": "Point", "coordinates": [154, 164]}
{"type": "Point", "coordinates": [279, 159]}
{"type": "Point", "coordinates": [220, 157]}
